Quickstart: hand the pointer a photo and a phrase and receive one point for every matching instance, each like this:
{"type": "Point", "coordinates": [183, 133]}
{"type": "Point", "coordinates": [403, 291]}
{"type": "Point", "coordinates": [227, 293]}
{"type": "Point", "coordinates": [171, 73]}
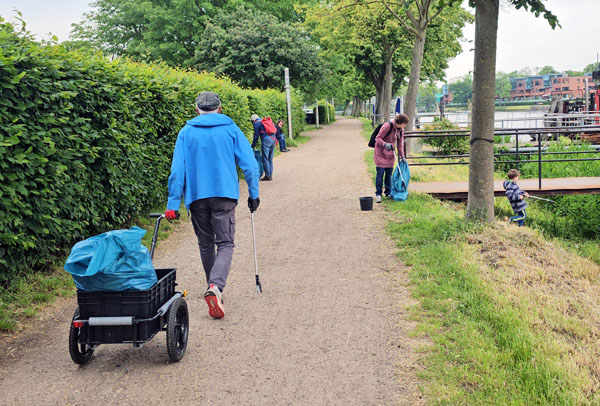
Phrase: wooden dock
{"type": "Point", "coordinates": [557, 186]}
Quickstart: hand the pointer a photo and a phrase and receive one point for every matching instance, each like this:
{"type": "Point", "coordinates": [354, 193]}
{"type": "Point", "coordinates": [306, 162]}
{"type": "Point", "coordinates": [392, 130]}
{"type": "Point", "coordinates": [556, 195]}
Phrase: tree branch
{"type": "Point", "coordinates": [397, 17]}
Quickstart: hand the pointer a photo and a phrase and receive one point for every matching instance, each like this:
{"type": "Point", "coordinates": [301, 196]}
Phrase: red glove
{"type": "Point", "coordinates": [171, 215]}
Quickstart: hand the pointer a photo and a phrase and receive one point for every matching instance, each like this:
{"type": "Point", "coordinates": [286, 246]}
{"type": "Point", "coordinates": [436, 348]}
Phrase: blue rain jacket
{"type": "Point", "coordinates": [112, 261]}
{"type": "Point", "coordinates": [207, 150]}
{"type": "Point", "coordinates": [400, 180]}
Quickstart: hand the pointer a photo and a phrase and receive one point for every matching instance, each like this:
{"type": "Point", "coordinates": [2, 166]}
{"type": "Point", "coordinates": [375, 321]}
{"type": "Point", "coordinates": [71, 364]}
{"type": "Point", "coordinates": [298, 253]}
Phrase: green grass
{"type": "Point", "coordinates": [28, 294]}
{"type": "Point", "coordinates": [483, 351]}
{"type": "Point", "coordinates": [297, 141]}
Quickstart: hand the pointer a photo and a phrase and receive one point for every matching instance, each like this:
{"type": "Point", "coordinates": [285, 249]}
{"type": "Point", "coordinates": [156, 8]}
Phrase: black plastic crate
{"type": "Point", "coordinates": [141, 304]}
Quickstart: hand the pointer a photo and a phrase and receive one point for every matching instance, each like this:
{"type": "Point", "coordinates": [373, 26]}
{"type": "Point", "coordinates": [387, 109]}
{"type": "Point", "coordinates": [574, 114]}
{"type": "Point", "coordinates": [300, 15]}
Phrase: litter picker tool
{"type": "Point", "coordinates": [258, 285]}
{"type": "Point", "coordinates": [541, 198]}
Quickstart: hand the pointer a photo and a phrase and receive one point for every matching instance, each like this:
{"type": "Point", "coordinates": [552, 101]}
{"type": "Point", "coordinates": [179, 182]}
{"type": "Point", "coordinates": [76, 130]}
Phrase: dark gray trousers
{"type": "Point", "coordinates": [214, 224]}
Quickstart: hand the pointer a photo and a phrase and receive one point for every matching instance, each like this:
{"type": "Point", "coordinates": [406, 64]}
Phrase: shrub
{"type": "Point", "coordinates": [446, 145]}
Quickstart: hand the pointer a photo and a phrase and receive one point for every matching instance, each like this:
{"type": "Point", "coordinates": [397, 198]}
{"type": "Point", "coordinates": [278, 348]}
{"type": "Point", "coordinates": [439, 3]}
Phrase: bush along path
{"type": "Point", "coordinates": [330, 327]}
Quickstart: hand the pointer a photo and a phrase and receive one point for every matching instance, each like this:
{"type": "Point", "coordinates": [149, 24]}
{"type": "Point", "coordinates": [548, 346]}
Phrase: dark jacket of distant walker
{"type": "Point", "coordinates": [513, 191]}
{"type": "Point", "coordinates": [384, 158]}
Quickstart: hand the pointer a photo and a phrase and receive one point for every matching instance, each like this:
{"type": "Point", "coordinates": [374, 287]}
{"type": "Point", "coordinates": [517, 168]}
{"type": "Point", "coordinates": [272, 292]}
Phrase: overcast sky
{"type": "Point", "coordinates": [523, 40]}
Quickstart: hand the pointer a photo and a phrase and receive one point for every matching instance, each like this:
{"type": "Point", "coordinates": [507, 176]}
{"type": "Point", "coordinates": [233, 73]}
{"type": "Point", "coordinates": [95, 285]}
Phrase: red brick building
{"type": "Point", "coordinates": [544, 86]}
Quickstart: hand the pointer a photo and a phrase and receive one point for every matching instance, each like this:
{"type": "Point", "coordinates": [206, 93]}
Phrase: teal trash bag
{"type": "Point", "coordinates": [112, 261]}
{"type": "Point", "coordinates": [258, 157]}
{"type": "Point", "coordinates": [400, 180]}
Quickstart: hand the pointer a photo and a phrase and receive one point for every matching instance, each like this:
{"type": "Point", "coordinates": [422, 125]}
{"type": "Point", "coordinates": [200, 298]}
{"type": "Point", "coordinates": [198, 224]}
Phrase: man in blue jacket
{"type": "Point", "coordinates": [207, 150]}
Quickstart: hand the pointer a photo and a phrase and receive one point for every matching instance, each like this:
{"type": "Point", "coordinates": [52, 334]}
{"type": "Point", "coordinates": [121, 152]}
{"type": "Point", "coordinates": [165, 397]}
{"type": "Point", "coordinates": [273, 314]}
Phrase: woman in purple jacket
{"type": "Point", "coordinates": [391, 135]}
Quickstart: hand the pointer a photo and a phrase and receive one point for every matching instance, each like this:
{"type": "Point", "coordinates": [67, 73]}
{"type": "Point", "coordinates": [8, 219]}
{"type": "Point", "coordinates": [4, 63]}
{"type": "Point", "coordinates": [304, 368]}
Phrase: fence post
{"type": "Point", "coordinates": [517, 144]}
{"type": "Point", "coordinates": [540, 159]}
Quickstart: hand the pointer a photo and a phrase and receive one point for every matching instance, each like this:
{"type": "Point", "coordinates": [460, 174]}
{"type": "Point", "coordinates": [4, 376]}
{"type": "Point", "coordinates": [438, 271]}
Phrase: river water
{"type": "Point", "coordinates": [503, 119]}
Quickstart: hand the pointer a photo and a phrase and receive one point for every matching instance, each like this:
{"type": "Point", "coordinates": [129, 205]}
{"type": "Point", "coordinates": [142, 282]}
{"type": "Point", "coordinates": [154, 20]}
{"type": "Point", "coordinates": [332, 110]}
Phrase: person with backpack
{"type": "Point", "coordinates": [389, 137]}
{"type": "Point", "coordinates": [264, 129]}
{"type": "Point", "coordinates": [204, 169]}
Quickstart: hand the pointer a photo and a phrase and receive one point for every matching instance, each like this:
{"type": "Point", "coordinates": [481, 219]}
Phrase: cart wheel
{"type": "Point", "coordinates": [80, 353]}
{"type": "Point", "coordinates": [177, 329]}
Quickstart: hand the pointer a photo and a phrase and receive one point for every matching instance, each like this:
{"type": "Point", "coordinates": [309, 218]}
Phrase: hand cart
{"type": "Point", "coordinates": [132, 316]}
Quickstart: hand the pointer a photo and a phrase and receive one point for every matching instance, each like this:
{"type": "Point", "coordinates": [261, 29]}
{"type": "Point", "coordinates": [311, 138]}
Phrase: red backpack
{"type": "Point", "coordinates": [269, 126]}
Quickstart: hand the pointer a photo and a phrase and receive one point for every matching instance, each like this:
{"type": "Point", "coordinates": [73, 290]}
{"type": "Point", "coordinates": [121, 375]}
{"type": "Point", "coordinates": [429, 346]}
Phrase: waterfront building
{"type": "Point", "coordinates": [546, 86]}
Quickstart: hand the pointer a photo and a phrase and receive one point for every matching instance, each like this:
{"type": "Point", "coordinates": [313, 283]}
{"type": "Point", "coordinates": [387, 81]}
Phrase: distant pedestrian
{"type": "Point", "coordinates": [280, 136]}
{"type": "Point", "coordinates": [207, 151]}
{"type": "Point", "coordinates": [267, 143]}
{"type": "Point", "coordinates": [516, 197]}
{"type": "Point", "coordinates": [390, 137]}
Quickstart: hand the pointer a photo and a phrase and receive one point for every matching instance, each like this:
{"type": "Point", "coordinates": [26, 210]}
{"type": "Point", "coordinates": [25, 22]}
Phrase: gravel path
{"type": "Point", "coordinates": [329, 329]}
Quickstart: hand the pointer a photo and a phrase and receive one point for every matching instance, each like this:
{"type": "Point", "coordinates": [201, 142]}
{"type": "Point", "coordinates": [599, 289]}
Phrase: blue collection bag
{"type": "Point", "coordinates": [258, 156]}
{"type": "Point", "coordinates": [400, 180]}
{"type": "Point", "coordinates": [112, 261]}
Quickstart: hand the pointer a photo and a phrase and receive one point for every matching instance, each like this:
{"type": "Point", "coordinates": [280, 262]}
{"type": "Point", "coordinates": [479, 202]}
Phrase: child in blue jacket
{"type": "Point", "coordinates": [516, 197]}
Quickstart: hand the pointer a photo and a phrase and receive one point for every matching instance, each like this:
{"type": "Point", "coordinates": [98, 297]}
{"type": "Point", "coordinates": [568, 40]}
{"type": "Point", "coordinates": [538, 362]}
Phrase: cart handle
{"type": "Point", "coordinates": [158, 217]}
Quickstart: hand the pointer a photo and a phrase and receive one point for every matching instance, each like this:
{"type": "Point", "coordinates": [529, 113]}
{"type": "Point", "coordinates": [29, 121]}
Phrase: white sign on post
{"type": "Point", "coordinates": [286, 74]}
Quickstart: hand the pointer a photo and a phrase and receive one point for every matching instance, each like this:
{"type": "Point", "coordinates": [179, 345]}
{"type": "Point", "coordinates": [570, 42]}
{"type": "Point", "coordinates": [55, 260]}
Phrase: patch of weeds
{"type": "Point", "coordinates": [27, 294]}
{"type": "Point", "coordinates": [297, 141]}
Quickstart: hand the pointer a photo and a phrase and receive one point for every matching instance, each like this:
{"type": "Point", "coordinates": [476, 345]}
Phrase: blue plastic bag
{"type": "Point", "coordinates": [400, 180]}
{"type": "Point", "coordinates": [112, 261]}
{"type": "Point", "coordinates": [258, 157]}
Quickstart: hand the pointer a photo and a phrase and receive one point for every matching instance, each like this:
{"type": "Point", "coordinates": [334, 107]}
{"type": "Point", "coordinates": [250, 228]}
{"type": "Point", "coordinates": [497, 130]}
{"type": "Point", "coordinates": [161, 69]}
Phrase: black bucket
{"type": "Point", "coordinates": [366, 203]}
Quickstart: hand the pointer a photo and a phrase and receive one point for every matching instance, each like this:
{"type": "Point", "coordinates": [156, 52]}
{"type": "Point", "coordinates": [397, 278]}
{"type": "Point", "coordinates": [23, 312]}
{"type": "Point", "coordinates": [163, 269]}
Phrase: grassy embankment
{"type": "Point", "coordinates": [512, 319]}
{"type": "Point", "coordinates": [29, 294]}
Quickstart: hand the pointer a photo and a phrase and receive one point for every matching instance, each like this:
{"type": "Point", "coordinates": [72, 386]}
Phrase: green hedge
{"type": "Point", "coordinates": [86, 143]}
{"type": "Point", "coordinates": [323, 105]}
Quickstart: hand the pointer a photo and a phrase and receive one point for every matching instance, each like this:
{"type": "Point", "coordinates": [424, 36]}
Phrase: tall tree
{"type": "Point", "coordinates": [416, 16]}
{"type": "Point", "coordinates": [591, 67]}
{"type": "Point", "coordinates": [367, 35]}
{"type": "Point", "coordinates": [380, 45]}
{"type": "Point", "coordinates": [480, 204]}
{"type": "Point", "coordinates": [168, 30]}
{"type": "Point", "coordinates": [462, 89]}
{"type": "Point", "coordinates": [253, 48]}
{"type": "Point", "coordinates": [546, 70]}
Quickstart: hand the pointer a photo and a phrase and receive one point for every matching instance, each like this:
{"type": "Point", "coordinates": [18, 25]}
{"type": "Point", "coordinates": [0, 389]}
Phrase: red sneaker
{"type": "Point", "coordinates": [214, 302]}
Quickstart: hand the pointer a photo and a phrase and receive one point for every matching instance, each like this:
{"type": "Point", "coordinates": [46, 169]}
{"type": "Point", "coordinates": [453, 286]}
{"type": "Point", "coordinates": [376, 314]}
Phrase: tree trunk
{"type": "Point", "coordinates": [386, 95]}
{"type": "Point", "coordinates": [480, 203]}
{"type": "Point", "coordinates": [355, 107]}
{"type": "Point", "coordinates": [378, 101]}
{"type": "Point", "coordinates": [413, 83]}
{"type": "Point", "coordinates": [346, 105]}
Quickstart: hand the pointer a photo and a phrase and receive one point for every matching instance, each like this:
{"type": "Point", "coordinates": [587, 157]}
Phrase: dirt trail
{"type": "Point", "coordinates": [329, 329]}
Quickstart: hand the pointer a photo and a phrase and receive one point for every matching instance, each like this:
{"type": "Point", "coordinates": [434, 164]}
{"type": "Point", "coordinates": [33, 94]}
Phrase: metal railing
{"type": "Point", "coordinates": [516, 119]}
{"type": "Point", "coordinates": [517, 151]}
